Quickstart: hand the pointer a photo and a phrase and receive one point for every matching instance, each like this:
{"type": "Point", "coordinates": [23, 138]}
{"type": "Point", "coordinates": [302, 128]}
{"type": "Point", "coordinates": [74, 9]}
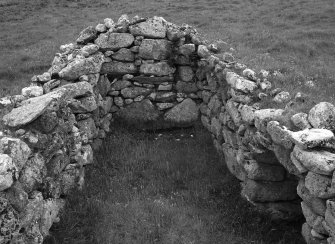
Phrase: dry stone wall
{"type": "Point", "coordinates": [153, 74]}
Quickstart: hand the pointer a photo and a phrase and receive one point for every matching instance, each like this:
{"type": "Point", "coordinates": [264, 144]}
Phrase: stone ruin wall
{"type": "Point", "coordinates": [155, 75]}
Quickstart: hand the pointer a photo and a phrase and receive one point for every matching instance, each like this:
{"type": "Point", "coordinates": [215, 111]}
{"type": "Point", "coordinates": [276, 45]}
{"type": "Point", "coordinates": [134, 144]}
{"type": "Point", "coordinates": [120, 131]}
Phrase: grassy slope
{"type": "Point", "coordinates": [296, 37]}
{"type": "Point", "coordinates": [142, 190]}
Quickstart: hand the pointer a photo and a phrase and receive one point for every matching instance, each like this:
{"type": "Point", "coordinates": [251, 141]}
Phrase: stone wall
{"type": "Point", "coordinates": [153, 74]}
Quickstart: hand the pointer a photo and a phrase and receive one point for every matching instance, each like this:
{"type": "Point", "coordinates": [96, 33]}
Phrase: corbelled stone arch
{"type": "Point", "coordinates": [157, 75]}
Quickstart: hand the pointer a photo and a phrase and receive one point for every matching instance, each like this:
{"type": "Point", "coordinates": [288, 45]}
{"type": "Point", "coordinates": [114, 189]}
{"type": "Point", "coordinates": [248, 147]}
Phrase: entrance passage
{"type": "Point", "coordinates": [164, 187]}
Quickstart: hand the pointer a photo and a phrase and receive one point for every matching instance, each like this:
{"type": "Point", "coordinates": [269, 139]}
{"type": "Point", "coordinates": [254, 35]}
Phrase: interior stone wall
{"type": "Point", "coordinates": [153, 75]}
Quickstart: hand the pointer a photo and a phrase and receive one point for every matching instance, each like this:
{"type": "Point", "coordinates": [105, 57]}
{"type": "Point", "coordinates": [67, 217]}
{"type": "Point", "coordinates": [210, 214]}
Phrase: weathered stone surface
{"type": "Point", "coordinates": [90, 49]}
{"type": "Point", "coordinates": [299, 166]}
{"type": "Point", "coordinates": [164, 96]}
{"type": "Point", "coordinates": [318, 205]}
{"type": "Point", "coordinates": [73, 90]}
{"type": "Point", "coordinates": [282, 97]}
{"type": "Point", "coordinates": [118, 68]}
{"type": "Point", "coordinates": [132, 92]}
{"type": "Point", "coordinates": [119, 101]}
{"type": "Point", "coordinates": [105, 105]}
{"type": "Point", "coordinates": [83, 66]}
{"type": "Point", "coordinates": [187, 49]}
{"type": "Point", "coordinates": [266, 191]}
{"type": "Point", "coordinates": [312, 219]}
{"type": "Point", "coordinates": [247, 114]}
{"type": "Point", "coordinates": [155, 49]}
{"type": "Point", "coordinates": [232, 163]}
{"type": "Point", "coordinates": [263, 116]}
{"type": "Point", "coordinates": [259, 171]}
{"type": "Point", "coordinates": [183, 114]}
{"type": "Point", "coordinates": [279, 134]}
{"type": "Point", "coordinates": [103, 85]}
{"type": "Point", "coordinates": [322, 116]}
{"type": "Point", "coordinates": [159, 69]}
{"type": "Point", "coordinates": [114, 41]}
{"type": "Point", "coordinates": [69, 179]}
{"type": "Point", "coordinates": [29, 111]}
{"type": "Point", "coordinates": [87, 35]}
{"type": "Point", "coordinates": [229, 137]}
{"type": "Point", "coordinates": [311, 138]}
{"type": "Point", "coordinates": [120, 84]}
{"type": "Point", "coordinates": [32, 91]}
{"type": "Point", "coordinates": [87, 128]}
{"type": "Point", "coordinates": [33, 173]}
{"type": "Point", "coordinates": [216, 127]}
{"type": "Point", "coordinates": [164, 87]}
{"type": "Point", "coordinates": [124, 55]}
{"type": "Point", "coordinates": [152, 28]}
{"type": "Point", "coordinates": [306, 232]}
{"type": "Point", "coordinates": [51, 208]}
{"type": "Point", "coordinates": [320, 162]}
{"type": "Point", "coordinates": [239, 83]}
{"type": "Point", "coordinates": [203, 51]}
{"type": "Point", "coordinates": [83, 105]}
{"type": "Point", "coordinates": [164, 106]}
{"type": "Point", "coordinates": [300, 120]}
{"type": "Point", "coordinates": [284, 157]}
{"type": "Point", "coordinates": [186, 87]}
{"type": "Point", "coordinates": [214, 105]}
{"type": "Point", "coordinates": [16, 149]}
{"type": "Point", "coordinates": [185, 73]}
{"type": "Point", "coordinates": [152, 80]}
{"type": "Point", "coordinates": [232, 110]}
{"type": "Point", "coordinates": [8, 171]}
{"type": "Point", "coordinates": [17, 197]}
{"type": "Point", "coordinates": [319, 185]}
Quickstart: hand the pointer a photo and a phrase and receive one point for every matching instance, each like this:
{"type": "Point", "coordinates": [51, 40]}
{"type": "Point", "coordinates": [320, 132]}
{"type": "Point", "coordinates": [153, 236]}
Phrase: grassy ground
{"type": "Point", "coordinates": [296, 37]}
{"type": "Point", "coordinates": [147, 190]}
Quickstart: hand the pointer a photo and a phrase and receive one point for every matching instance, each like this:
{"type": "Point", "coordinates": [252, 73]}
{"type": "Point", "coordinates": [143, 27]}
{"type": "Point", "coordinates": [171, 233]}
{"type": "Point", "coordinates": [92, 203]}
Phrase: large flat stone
{"type": "Point", "coordinates": [319, 185]}
{"type": "Point", "coordinates": [183, 114]}
{"type": "Point", "coordinates": [320, 162]}
{"type": "Point", "coordinates": [152, 80]}
{"type": "Point", "coordinates": [155, 49]}
{"type": "Point", "coordinates": [159, 69]}
{"type": "Point", "coordinates": [310, 138]}
{"type": "Point", "coordinates": [118, 68]}
{"type": "Point", "coordinates": [152, 28]}
{"type": "Point", "coordinates": [114, 41]}
{"type": "Point", "coordinates": [83, 66]}
{"type": "Point", "coordinates": [28, 112]}
{"type": "Point", "coordinates": [132, 92]}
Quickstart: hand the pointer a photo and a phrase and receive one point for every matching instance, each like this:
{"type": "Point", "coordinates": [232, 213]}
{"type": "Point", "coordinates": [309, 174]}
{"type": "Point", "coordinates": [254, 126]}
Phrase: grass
{"type": "Point", "coordinates": [295, 37]}
{"type": "Point", "coordinates": [143, 190]}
